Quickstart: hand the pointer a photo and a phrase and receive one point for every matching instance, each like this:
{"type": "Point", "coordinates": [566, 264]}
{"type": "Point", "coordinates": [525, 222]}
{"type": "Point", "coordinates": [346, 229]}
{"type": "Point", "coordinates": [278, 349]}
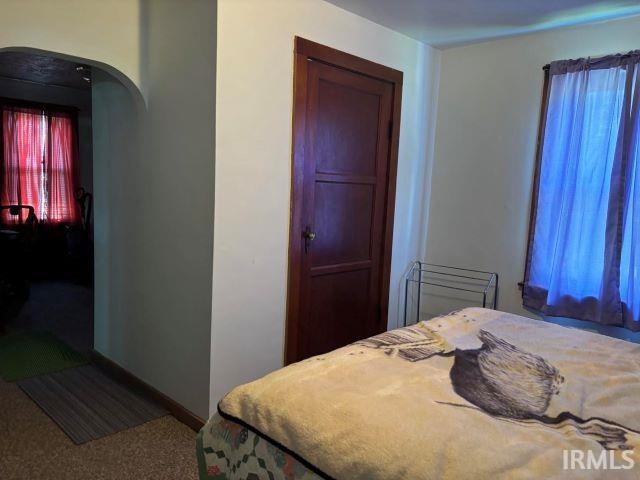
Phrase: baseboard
{"type": "Point", "coordinates": [181, 414]}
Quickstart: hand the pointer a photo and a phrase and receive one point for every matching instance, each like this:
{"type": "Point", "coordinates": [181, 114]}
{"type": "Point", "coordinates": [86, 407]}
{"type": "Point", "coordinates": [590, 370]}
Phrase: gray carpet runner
{"type": "Point", "coordinates": [87, 404]}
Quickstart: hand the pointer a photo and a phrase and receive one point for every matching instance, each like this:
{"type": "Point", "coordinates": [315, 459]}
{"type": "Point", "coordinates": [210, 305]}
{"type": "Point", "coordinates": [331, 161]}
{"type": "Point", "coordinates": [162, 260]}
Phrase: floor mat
{"type": "Point", "coordinates": [87, 404]}
{"type": "Point", "coordinates": [24, 355]}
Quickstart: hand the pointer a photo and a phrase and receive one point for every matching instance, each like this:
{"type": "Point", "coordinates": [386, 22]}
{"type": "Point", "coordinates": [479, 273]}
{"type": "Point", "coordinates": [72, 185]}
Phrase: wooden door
{"type": "Point", "coordinates": [346, 116]}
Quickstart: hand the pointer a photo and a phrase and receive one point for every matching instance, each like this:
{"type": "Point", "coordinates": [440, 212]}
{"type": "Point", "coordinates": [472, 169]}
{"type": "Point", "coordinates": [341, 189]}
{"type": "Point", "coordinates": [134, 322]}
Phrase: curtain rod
{"type": "Point", "coordinates": [16, 102]}
{"type": "Point", "coordinates": [597, 59]}
{"type": "Point", "coordinates": [43, 84]}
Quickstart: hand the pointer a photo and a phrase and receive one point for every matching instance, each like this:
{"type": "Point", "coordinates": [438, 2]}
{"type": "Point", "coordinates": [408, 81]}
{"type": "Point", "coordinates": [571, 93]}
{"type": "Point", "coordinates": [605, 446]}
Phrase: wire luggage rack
{"type": "Point", "coordinates": [449, 288]}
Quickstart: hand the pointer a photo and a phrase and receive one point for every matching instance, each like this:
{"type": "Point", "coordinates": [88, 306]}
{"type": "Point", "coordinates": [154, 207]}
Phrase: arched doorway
{"type": "Point", "coordinates": [69, 137]}
{"type": "Point", "coordinates": [55, 194]}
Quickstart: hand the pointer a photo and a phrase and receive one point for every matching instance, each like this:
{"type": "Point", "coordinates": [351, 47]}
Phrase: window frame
{"type": "Point", "coordinates": [45, 107]}
{"type": "Point", "coordinates": [533, 207]}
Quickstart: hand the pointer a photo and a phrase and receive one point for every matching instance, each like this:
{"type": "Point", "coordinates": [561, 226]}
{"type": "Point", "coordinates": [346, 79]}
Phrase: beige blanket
{"type": "Point", "coordinates": [475, 394]}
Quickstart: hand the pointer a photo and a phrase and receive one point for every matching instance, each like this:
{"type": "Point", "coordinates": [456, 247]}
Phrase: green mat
{"type": "Point", "coordinates": [24, 355]}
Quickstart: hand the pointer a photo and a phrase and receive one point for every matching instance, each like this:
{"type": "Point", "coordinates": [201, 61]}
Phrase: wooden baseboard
{"type": "Point", "coordinates": [121, 374]}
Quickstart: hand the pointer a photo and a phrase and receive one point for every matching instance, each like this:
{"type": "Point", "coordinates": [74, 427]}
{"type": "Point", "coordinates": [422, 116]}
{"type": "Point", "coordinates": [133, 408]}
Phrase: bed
{"type": "Point", "coordinates": [473, 394]}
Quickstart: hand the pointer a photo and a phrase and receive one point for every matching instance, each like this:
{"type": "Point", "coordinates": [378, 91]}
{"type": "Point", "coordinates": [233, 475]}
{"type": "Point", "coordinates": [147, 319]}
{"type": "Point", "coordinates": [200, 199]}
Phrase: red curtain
{"type": "Point", "coordinates": [39, 164]}
{"type": "Point", "coordinates": [61, 168]}
{"type": "Point", "coordinates": [23, 154]}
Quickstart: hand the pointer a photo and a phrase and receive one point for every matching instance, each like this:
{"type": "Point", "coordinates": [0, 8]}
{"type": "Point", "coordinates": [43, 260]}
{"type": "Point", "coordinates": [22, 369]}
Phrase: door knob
{"type": "Point", "coordinates": [308, 236]}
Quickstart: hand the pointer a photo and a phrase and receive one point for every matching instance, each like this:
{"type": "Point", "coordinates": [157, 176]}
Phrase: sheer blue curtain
{"type": "Point", "coordinates": [582, 259]}
{"type": "Point", "coordinates": [630, 256]}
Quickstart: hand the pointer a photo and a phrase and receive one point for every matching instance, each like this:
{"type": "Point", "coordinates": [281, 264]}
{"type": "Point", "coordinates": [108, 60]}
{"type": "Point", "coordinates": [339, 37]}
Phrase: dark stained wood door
{"type": "Point", "coordinates": [345, 154]}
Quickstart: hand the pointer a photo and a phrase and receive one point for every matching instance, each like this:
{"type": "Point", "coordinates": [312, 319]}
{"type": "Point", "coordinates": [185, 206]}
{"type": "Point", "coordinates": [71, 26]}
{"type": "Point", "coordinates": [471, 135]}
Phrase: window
{"type": "Point", "coordinates": [585, 225]}
{"type": "Point", "coordinates": [38, 164]}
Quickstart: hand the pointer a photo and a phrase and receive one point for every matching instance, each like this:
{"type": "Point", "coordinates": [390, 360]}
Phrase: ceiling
{"type": "Point", "coordinates": [448, 23]}
{"type": "Point", "coordinates": [44, 70]}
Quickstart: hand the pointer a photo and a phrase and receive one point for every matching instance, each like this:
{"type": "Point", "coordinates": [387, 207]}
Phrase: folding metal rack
{"type": "Point", "coordinates": [480, 282]}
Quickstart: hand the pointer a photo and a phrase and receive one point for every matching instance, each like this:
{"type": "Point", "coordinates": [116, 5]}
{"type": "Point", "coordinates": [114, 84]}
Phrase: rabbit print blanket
{"type": "Point", "coordinates": [474, 394]}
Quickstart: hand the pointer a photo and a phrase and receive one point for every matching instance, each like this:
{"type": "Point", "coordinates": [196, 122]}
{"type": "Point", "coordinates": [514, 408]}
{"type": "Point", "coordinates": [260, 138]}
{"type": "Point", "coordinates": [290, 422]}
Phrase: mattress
{"type": "Point", "coordinates": [474, 394]}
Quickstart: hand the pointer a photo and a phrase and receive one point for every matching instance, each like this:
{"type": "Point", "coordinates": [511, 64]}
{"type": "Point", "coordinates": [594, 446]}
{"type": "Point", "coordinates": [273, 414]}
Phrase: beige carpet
{"type": "Point", "coordinates": [33, 447]}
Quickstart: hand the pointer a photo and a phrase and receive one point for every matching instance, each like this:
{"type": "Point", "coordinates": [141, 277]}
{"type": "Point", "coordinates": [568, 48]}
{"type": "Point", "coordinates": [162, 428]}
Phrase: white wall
{"type": "Point", "coordinates": [488, 109]}
{"type": "Point", "coordinates": [158, 161]}
{"type": "Point", "coordinates": [116, 143]}
{"type": "Point", "coordinates": [106, 31]}
{"type": "Point", "coordinates": [176, 242]}
{"type": "Point", "coordinates": [253, 167]}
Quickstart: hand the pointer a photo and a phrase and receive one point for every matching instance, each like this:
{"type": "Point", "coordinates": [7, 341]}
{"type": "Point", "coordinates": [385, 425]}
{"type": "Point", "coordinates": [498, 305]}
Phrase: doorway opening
{"type": "Point", "coordinates": [62, 120]}
{"type": "Point", "coordinates": [46, 207]}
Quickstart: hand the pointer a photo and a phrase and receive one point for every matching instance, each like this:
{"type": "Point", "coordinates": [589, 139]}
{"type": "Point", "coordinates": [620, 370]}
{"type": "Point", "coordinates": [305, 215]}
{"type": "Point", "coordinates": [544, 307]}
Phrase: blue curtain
{"type": "Point", "coordinates": [584, 252]}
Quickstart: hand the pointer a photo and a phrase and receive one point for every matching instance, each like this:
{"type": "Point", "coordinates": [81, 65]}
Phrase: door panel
{"type": "Point", "coordinates": [344, 165]}
{"type": "Point", "coordinates": [339, 303]}
{"type": "Point", "coordinates": [342, 222]}
{"type": "Point", "coordinates": [347, 134]}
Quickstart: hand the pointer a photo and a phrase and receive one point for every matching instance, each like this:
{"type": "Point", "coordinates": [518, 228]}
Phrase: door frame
{"type": "Point", "coordinates": [304, 51]}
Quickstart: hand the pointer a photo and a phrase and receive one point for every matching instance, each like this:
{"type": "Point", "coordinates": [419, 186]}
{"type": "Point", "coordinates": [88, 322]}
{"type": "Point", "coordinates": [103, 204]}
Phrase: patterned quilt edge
{"type": "Point", "coordinates": [202, 463]}
{"type": "Point", "coordinates": [310, 466]}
